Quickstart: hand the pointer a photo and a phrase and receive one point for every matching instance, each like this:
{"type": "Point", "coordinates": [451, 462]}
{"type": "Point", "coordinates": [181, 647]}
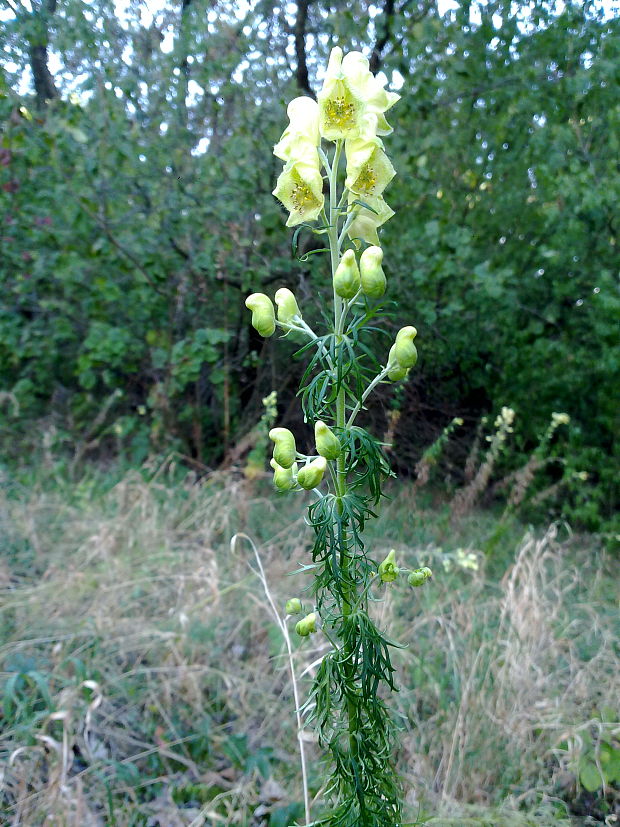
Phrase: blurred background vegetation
{"type": "Point", "coordinates": [142, 680]}
{"type": "Point", "coordinates": [135, 181]}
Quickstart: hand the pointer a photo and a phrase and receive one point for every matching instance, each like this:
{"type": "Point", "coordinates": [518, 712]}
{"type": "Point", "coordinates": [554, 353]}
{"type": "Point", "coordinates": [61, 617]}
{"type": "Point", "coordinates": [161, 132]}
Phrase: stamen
{"type": "Point", "coordinates": [340, 113]}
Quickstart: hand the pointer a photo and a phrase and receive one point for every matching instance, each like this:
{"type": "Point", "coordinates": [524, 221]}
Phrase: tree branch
{"type": "Point", "coordinates": [387, 18]}
{"type": "Point", "coordinates": [300, 47]}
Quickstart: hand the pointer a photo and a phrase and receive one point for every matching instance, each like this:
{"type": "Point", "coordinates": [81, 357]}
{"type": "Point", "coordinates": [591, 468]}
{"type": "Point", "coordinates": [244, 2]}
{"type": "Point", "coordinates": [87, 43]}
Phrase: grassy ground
{"type": "Point", "coordinates": [145, 683]}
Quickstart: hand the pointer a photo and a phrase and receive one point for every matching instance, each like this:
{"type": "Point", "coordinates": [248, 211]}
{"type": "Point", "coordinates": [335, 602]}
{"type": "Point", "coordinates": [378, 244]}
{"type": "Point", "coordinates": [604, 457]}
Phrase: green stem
{"type": "Point", "coordinates": [348, 595]}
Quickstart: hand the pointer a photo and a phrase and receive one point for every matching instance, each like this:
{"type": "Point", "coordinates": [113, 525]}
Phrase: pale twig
{"type": "Point", "coordinates": [284, 629]}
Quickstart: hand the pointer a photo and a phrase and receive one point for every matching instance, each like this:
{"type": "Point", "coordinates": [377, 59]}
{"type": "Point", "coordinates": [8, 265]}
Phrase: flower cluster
{"type": "Point", "coordinates": [351, 107]}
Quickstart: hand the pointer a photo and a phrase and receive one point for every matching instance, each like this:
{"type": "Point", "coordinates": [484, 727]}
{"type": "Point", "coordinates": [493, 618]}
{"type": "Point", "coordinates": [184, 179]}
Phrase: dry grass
{"type": "Point", "coordinates": [169, 701]}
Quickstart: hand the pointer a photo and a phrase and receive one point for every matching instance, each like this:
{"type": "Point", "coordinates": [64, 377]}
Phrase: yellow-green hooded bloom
{"type": "Point", "coordinates": [371, 273]}
{"type": "Point", "coordinates": [366, 222]}
{"type": "Point", "coordinates": [326, 441]}
{"type": "Point", "coordinates": [301, 137]}
{"type": "Point", "coordinates": [310, 475]}
{"type": "Point", "coordinates": [263, 315]}
{"type": "Point", "coordinates": [369, 170]}
{"type": "Point", "coordinates": [404, 350]}
{"type": "Point", "coordinates": [347, 276]}
{"type": "Point", "coordinates": [306, 626]}
{"type": "Point", "coordinates": [300, 189]}
{"type": "Point", "coordinates": [284, 448]}
{"type": "Point", "coordinates": [388, 570]}
{"type": "Point", "coordinates": [350, 91]}
{"type": "Point", "coordinates": [283, 478]}
{"type": "Point", "coordinates": [287, 305]}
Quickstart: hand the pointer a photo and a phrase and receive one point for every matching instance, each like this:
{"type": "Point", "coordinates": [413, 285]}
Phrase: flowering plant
{"type": "Point", "coordinates": [348, 470]}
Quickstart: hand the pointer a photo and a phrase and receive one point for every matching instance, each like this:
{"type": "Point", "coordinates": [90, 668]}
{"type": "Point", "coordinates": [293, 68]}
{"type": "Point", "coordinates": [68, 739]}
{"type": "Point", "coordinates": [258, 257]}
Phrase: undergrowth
{"type": "Point", "coordinates": [134, 689]}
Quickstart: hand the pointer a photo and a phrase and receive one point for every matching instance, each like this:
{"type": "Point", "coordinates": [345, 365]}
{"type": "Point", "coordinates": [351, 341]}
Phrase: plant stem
{"type": "Point", "coordinates": [348, 594]}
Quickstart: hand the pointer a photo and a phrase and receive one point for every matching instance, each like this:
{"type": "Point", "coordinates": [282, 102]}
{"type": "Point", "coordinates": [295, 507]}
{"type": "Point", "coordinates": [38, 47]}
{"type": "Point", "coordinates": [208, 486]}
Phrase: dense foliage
{"type": "Point", "coordinates": [136, 212]}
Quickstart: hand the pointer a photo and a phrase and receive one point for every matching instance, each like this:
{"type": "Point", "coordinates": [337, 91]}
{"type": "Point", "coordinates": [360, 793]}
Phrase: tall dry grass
{"type": "Point", "coordinates": [169, 696]}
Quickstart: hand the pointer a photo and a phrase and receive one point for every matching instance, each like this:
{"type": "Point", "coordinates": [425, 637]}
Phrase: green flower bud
{"type": "Point", "coordinates": [327, 444]}
{"type": "Point", "coordinates": [404, 349]}
{"type": "Point", "coordinates": [306, 625]}
{"type": "Point", "coordinates": [347, 276]}
{"type": "Point", "coordinates": [293, 606]}
{"type": "Point", "coordinates": [287, 305]}
{"type": "Point", "coordinates": [284, 449]}
{"type": "Point", "coordinates": [263, 314]}
{"type": "Point", "coordinates": [311, 475]}
{"type": "Point", "coordinates": [419, 576]}
{"type": "Point", "coordinates": [283, 478]}
{"type": "Point", "coordinates": [371, 272]}
{"type": "Point", "coordinates": [388, 570]}
{"type": "Point", "coordinates": [396, 371]}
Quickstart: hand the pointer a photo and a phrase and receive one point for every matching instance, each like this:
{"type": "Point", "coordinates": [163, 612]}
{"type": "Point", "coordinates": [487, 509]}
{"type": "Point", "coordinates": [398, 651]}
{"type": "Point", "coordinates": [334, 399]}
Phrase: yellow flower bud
{"type": "Point", "coordinates": [396, 371]}
{"type": "Point", "coordinates": [293, 606]}
{"type": "Point", "coordinates": [284, 449]}
{"type": "Point", "coordinates": [404, 350]}
{"type": "Point", "coordinates": [263, 315]}
{"type": "Point", "coordinates": [388, 570]}
{"type": "Point", "coordinates": [287, 305]}
{"type": "Point", "coordinates": [311, 475]}
{"type": "Point", "coordinates": [283, 478]}
{"type": "Point", "coordinates": [306, 625]}
{"type": "Point", "coordinates": [347, 276]}
{"type": "Point", "coordinates": [371, 272]}
{"type": "Point", "coordinates": [419, 576]}
{"type": "Point", "coordinates": [327, 443]}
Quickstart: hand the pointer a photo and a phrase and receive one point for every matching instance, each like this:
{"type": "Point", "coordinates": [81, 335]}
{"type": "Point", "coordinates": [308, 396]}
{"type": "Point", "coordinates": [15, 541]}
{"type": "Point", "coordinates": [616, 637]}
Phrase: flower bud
{"type": "Point", "coordinates": [388, 570]}
{"type": "Point", "coordinates": [306, 625]}
{"type": "Point", "coordinates": [327, 443]}
{"type": "Point", "coordinates": [419, 576]}
{"type": "Point", "coordinates": [284, 449]}
{"type": "Point", "coordinates": [404, 350]}
{"type": "Point", "coordinates": [287, 305]}
{"type": "Point", "coordinates": [283, 478]}
{"type": "Point", "coordinates": [347, 276]}
{"type": "Point", "coordinates": [293, 606]}
{"type": "Point", "coordinates": [371, 272]}
{"type": "Point", "coordinates": [311, 475]}
{"type": "Point", "coordinates": [263, 315]}
{"type": "Point", "coordinates": [396, 371]}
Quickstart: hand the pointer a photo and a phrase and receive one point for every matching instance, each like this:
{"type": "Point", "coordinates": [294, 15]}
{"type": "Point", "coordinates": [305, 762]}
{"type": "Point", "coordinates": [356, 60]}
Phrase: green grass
{"type": "Point", "coordinates": [144, 683]}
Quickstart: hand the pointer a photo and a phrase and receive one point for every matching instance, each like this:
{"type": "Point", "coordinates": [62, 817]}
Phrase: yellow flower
{"type": "Point", "coordinates": [371, 272]}
{"type": "Point", "coordinates": [350, 91]}
{"type": "Point", "coordinates": [366, 222]}
{"type": "Point", "coordinates": [347, 276]}
{"type": "Point", "coordinates": [300, 189]}
{"type": "Point", "coordinates": [284, 449]}
{"type": "Point", "coordinates": [263, 315]}
{"type": "Point", "coordinates": [301, 138]}
{"type": "Point", "coordinates": [287, 306]}
{"type": "Point", "coordinates": [369, 170]}
{"type": "Point", "coordinates": [309, 476]}
{"type": "Point", "coordinates": [388, 570]}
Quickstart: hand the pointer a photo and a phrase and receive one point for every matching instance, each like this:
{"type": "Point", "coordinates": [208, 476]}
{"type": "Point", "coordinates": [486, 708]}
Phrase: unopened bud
{"type": "Point", "coordinates": [306, 625]}
{"type": "Point", "coordinates": [404, 349]}
{"type": "Point", "coordinates": [283, 478]}
{"type": "Point", "coordinates": [311, 475]}
{"type": "Point", "coordinates": [388, 570]}
{"type": "Point", "coordinates": [419, 576]}
{"type": "Point", "coordinates": [287, 305]}
{"type": "Point", "coordinates": [284, 449]}
{"type": "Point", "coordinates": [371, 272]}
{"type": "Point", "coordinates": [347, 276]}
{"type": "Point", "coordinates": [263, 314]}
{"type": "Point", "coordinates": [396, 371]}
{"type": "Point", "coordinates": [293, 606]}
{"type": "Point", "coordinates": [327, 443]}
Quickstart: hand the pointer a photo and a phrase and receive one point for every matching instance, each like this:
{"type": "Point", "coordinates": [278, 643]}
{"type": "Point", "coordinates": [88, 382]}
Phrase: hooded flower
{"type": "Point", "coordinates": [300, 189]}
{"type": "Point", "coordinates": [301, 138]}
{"type": "Point", "coordinates": [366, 222]}
{"type": "Point", "coordinates": [369, 170]}
{"type": "Point", "coordinates": [350, 90]}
